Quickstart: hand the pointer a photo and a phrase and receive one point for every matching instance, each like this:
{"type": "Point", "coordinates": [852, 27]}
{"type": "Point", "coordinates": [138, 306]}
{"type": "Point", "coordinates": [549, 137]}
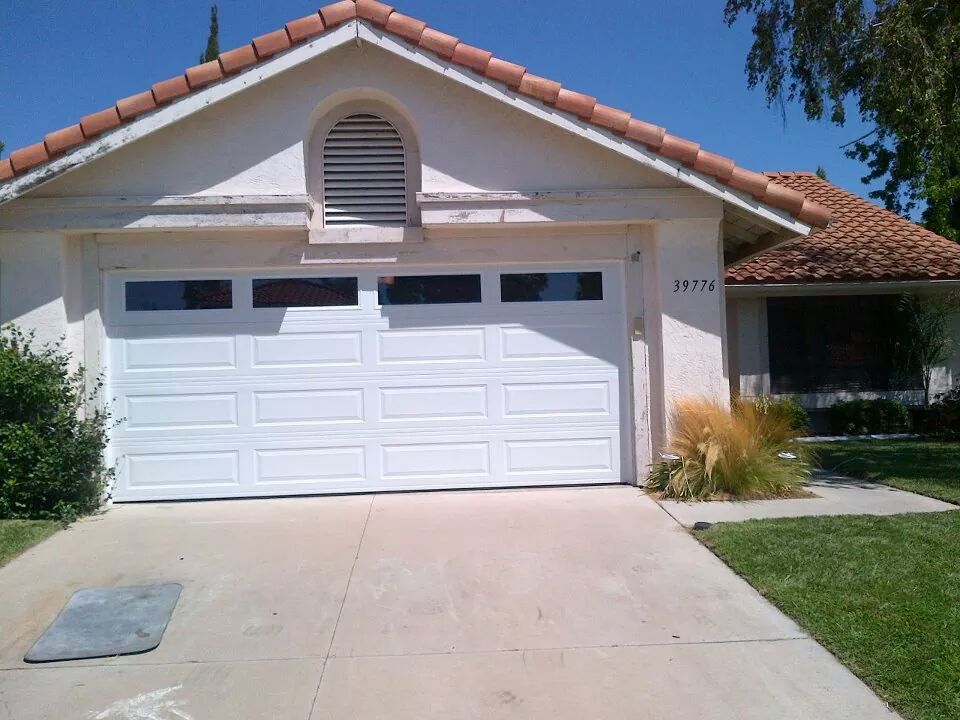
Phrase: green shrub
{"type": "Point", "coordinates": [943, 416]}
{"type": "Point", "coordinates": [785, 406]}
{"type": "Point", "coordinates": [51, 454]}
{"type": "Point", "coordinates": [741, 452]}
{"type": "Point", "coordinates": [868, 417]}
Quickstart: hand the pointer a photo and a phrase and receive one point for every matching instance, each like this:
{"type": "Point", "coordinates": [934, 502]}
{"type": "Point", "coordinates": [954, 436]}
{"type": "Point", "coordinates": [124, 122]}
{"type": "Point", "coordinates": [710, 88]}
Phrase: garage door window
{"type": "Point", "coordinates": [428, 289]}
{"type": "Point", "coordinates": [149, 295]}
{"type": "Point", "coordinates": [551, 287]}
{"type": "Point", "coordinates": [305, 292]}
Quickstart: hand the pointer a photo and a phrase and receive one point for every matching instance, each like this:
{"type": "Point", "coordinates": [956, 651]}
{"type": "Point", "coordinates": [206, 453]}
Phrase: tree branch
{"type": "Point", "coordinates": [862, 137]}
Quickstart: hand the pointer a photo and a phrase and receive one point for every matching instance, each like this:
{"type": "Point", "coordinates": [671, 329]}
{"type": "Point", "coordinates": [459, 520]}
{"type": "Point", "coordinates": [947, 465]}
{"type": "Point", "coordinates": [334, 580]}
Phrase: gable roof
{"type": "Point", "coordinates": [550, 92]}
{"type": "Point", "coordinates": [864, 243]}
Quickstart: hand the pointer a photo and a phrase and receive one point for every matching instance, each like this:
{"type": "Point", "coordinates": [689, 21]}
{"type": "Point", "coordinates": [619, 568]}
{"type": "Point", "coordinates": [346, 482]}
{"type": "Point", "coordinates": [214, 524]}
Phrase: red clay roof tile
{"type": "Point", "coordinates": [406, 27]}
{"type": "Point", "coordinates": [338, 12]}
{"type": "Point", "coordinates": [270, 44]}
{"type": "Point", "coordinates": [715, 165]}
{"type": "Point", "coordinates": [677, 148]}
{"type": "Point", "coordinates": [99, 122]}
{"type": "Point", "coordinates": [506, 72]}
{"type": "Point", "coordinates": [199, 76]}
{"type": "Point", "coordinates": [135, 105]}
{"type": "Point", "coordinates": [863, 243]}
{"type": "Point", "coordinates": [169, 90]}
{"type": "Point", "coordinates": [750, 182]}
{"type": "Point", "coordinates": [471, 57]}
{"type": "Point", "coordinates": [376, 12]}
{"type": "Point", "coordinates": [6, 169]}
{"type": "Point", "coordinates": [448, 47]}
{"type": "Point", "coordinates": [62, 140]}
{"type": "Point", "coordinates": [233, 61]}
{"type": "Point", "coordinates": [539, 88]}
{"type": "Point", "coordinates": [608, 117]}
{"type": "Point", "coordinates": [305, 27]}
{"type": "Point", "coordinates": [784, 198]}
{"type": "Point", "coordinates": [646, 133]}
{"type": "Point", "coordinates": [28, 157]}
{"type": "Point", "coordinates": [576, 103]}
{"type": "Point", "coordinates": [438, 42]}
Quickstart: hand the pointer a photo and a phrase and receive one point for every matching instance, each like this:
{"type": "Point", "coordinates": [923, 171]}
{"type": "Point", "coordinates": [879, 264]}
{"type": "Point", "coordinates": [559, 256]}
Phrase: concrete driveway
{"type": "Point", "coordinates": [567, 603]}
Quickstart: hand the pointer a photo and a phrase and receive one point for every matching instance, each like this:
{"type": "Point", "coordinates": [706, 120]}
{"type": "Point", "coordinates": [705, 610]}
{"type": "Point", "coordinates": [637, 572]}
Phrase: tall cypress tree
{"type": "Point", "coordinates": [213, 39]}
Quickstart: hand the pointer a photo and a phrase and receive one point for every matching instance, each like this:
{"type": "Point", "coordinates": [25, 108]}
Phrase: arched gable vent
{"type": "Point", "coordinates": [364, 173]}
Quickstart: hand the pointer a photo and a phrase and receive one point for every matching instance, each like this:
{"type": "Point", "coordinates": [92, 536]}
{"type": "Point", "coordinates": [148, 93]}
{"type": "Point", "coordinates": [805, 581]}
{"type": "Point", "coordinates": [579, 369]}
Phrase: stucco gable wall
{"type": "Point", "coordinates": [253, 143]}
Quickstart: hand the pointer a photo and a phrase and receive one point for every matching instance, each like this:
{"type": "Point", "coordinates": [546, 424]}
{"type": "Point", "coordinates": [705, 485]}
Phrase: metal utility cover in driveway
{"type": "Point", "coordinates": [103, 622]}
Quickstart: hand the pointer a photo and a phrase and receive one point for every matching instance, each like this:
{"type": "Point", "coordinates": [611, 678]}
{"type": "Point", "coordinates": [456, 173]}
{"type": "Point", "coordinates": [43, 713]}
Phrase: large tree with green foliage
{"type": "Point", "coordinates": [212, 51]}
{"type": "Point", "coordinates": [894, 62]}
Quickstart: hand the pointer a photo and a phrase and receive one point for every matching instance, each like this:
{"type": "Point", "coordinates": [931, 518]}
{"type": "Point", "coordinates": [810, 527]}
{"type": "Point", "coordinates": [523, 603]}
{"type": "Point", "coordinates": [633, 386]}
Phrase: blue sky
{"type": "Point", "coordinates": [671, 62]}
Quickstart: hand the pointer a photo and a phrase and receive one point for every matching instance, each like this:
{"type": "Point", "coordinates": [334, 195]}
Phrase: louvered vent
{"type": "Point", "coordinates": [364, 178]}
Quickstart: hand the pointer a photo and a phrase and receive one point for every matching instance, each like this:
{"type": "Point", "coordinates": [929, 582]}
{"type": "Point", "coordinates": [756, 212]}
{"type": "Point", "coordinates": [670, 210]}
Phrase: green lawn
{"type": "Point", "coordinates": [927, 467]}
{"type": "Point", "coordinates": [18, 535]}
{"type": "Point", "coordinates": [881, 593]}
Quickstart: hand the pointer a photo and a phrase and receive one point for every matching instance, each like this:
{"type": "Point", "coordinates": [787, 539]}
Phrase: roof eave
{"type": "Point", "coordinates": [361, 29]}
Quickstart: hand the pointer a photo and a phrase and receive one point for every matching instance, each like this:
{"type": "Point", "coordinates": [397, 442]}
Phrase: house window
{"type": "Point", "coordinates": [148, 295]}
{"type": "Point", "coordinates": [551, 287]}
{"type": "Point", "coordinates": [428, 289]}
{"type": "Point", "coordinates": [834, 343]}
{"type": "Point", "coordinates": [305, 292]}
{"type": "Point", "coordinates": [364, 173]}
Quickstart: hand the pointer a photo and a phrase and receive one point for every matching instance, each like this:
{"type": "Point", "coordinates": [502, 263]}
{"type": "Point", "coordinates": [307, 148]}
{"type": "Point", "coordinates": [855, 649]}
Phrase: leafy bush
{"type": "Point", "coordinates": [716, 452]}
{"type": "Point", "coordinates": [784, 406]}
{"type": "Point", "coordinates": [943, 417]}
{"type": "Point", "coordinates": [868, 417]}
{"type": "Point", "coordinates": [51, 454]}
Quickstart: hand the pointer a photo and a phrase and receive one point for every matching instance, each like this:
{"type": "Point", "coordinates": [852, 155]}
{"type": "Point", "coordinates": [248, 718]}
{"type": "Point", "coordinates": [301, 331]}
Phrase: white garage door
{"type": "Point", "coordinates": [282, 382]}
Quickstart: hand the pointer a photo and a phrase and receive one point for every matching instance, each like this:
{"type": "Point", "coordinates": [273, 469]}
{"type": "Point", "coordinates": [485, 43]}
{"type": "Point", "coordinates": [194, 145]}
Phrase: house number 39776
{"type": "Point", "coordinates": [692, 286]}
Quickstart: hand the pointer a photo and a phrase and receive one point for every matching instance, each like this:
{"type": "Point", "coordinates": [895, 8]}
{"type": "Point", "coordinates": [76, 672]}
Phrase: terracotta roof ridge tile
{"type": "Point", "coordinates": [384, 16]}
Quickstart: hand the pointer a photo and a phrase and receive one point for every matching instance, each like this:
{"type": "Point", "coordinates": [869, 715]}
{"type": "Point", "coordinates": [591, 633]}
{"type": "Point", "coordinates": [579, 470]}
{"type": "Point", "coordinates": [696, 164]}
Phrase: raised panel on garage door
{"type": "Point", "coordinates": [348, 380]}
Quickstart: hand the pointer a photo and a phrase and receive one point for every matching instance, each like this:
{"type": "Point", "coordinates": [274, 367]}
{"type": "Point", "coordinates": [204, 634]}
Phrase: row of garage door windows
{"type": "Point", "coordinates": [217, 294]}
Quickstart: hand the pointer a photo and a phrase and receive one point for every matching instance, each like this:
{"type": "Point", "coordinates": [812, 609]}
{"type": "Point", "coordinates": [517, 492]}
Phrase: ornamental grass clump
{"type": "Point", "coordinates": [717, 452]}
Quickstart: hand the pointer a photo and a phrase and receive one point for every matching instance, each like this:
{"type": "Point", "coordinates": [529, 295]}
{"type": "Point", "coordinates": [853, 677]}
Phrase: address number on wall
{"type": "Point", "coordinates": [692, 286]}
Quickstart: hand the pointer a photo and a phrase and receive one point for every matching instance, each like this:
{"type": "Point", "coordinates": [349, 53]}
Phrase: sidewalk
{"type": "Point", "coordinates": [833, 495]}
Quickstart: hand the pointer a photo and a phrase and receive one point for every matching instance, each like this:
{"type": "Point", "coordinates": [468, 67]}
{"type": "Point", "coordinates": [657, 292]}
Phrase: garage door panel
{"type": "Point", "coordinates": [331, 466]}
{"type": "Point", "coordinates": [567, 342]}
{"type": "Point", "coordinates": [180, 411]}
{"type": "Point", "coordinates": [308, 349]}
{"type": "Point", "coordinates": [433, 402]}
{"type": "Point", "coordinates": [177, 354]}
{"type": "Point", "coordinates": [568, 456]}
{"type": "Point", "coordinates": [433, 345]}
{"type": "Point", "coordinates": [178, 473]}
{"type": "Point", "coordinates": [558, 398]}
{"type": "Point", "coordinates": [273, 402]}
{"type": "Point", "coordinates": [294, 407]}
{"type": "Point", "coordinates": [432, 460]}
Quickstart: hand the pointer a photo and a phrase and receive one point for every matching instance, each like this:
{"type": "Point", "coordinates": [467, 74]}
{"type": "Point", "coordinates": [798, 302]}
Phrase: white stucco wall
{"type": "Point", "coordinates": [253, 143]}
{"type": "Point", "coordinates": [688, 326]}
{"type": "Point", "coordinates": [31, 284]}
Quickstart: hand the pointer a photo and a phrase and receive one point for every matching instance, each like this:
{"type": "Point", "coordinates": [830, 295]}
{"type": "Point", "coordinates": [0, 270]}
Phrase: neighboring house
{"type": "Point", "coordinates": [358, 254]}
{"type": "Point", "coordinates": [814, 318]}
